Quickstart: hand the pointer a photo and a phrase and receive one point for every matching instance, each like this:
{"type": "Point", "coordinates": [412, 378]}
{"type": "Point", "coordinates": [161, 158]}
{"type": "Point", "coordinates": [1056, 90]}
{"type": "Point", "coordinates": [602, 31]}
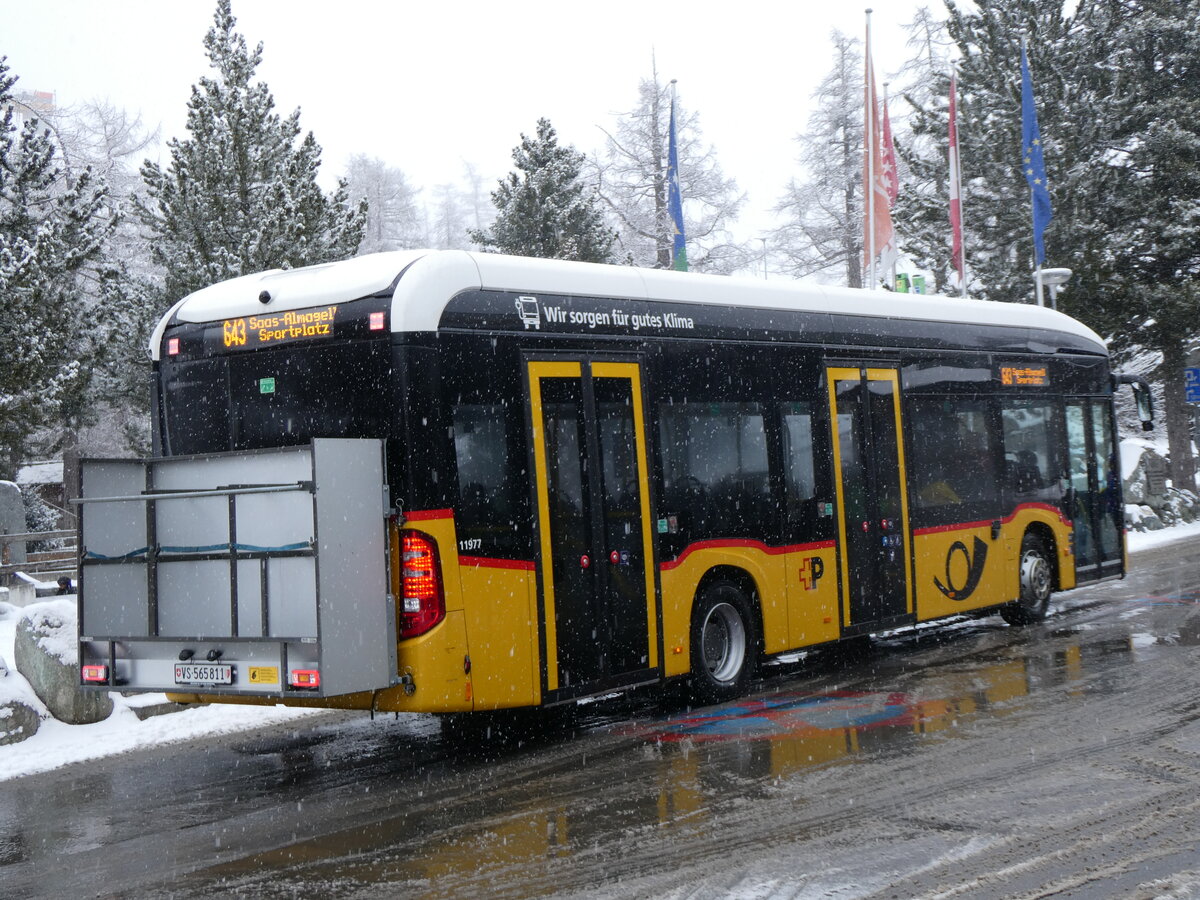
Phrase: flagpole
{"type": "Point", "coordinates": [962, 219]}
{"type": "Point", "coordinates": [869, 125]}
{"type": "Point", "coordinates": [959, 254]}
{"type": "Point", "coordinates": [888, 125]}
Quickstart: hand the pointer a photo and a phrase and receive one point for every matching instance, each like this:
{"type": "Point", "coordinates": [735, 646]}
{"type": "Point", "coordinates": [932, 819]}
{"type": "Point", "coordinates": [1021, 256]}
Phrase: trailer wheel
{"type": "Point", "coordinates": [1036, 577]}
{"type": "Point", "coordinates": [723, 643]}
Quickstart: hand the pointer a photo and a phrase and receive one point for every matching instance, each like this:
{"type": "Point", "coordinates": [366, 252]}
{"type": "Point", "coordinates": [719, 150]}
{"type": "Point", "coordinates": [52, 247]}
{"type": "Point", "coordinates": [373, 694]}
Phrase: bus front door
{"type": "Point", "coordinates": [1095, 504]}
{"type": "Point", "coordinates": [868, 453]}
{"type": "Point", "coordinates": [598, 616]}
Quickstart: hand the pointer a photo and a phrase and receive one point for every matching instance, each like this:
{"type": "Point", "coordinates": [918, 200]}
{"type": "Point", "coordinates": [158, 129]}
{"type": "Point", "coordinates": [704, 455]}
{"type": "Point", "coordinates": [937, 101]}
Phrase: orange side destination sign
{"type": "Point", "coordinates": [278, 328]}
{"type": "Point", "coordinates": [1025, 376]}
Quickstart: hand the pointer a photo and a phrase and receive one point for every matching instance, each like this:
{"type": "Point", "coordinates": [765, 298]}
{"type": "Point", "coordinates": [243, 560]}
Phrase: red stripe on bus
{"type": "Point", "coordinates": [487, 562]}
{"type": "Point", "coordinates": [419, 515]}
{"type": "Point", "coordinates": [963, 526]}
{"type": "Point", "coordinates": [741, 543]}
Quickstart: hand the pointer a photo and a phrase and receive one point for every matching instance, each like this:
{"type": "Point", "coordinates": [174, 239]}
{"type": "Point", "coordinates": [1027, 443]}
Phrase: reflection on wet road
{"type": "Point", "coordinates": [974, 758]}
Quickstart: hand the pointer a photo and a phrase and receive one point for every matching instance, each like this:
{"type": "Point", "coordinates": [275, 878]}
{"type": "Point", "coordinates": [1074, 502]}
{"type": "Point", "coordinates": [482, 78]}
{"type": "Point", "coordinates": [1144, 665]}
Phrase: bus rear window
{"type": "Point", "coordinates": [279, 398]}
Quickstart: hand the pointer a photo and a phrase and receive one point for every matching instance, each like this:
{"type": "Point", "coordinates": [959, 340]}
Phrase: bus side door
{"type": "Point", "coordinates": [596, 583]}
{"type": "Point", "coordinates": [870, 482]}
{"type": "Point", "coordinates": [1095, 503]}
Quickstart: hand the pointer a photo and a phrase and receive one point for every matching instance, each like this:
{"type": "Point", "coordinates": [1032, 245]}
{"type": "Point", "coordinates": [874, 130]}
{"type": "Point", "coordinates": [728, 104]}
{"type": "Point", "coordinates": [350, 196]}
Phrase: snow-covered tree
{"type": "Point", "coordinates": [921, 214]}
{"type": "Point", "coordinates": [240, 193]}
{"type": "Point", "coordinates": [393, 218]}
{"type": "Point", "coordinates": [109, 413]}
{"type": "Point", "coordinates": [1136, 214]}
{"type": "Point", "coordinates": [544, 208]}
{"type": "Point", "coordinates": [1117, 87]}
{"type": "Point", "coordinates": [480, 211]}
{"type": "Point", "coordinates": [823, 212]}
{"type": "Point", "coordinates": [54, 225]}
{"type": "Point", "coordinates": [448, 219]}
{"type": "Point", "coordinates": [632, 175]}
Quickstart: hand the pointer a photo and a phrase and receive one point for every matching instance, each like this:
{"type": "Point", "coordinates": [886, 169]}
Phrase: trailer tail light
{"type": "Point", "coordinates": [308, 679]}
{"type": "Point", "coordinates": [94, 674]}
{"type": "Point", "coordinates": [422, 604]}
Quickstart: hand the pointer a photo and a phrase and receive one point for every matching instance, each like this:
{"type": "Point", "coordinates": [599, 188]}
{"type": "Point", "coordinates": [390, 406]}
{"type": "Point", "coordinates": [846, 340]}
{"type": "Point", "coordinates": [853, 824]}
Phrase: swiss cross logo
{"type": "Point", "coordinates": [811, 571]}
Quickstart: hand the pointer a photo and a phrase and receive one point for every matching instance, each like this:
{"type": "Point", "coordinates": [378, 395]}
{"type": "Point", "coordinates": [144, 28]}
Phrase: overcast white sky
{"type": "Point", "coordinates": [426, 86]}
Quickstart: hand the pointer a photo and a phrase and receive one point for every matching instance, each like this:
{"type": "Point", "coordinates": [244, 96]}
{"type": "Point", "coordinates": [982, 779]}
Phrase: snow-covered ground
{"type": "Point", "coordinates": [57, 744]}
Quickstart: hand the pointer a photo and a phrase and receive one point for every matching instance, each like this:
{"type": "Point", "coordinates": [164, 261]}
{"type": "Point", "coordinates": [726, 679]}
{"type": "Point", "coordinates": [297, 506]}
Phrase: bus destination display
{"type": "Point", "coordinates": [277, 328]}
{"type": "Point", "coordinates": [1025, 375]}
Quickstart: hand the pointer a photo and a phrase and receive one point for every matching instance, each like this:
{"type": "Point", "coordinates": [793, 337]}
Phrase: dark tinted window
{"type": "Point", "coordinates": [196, 410]}
{"type": "Point", "coordinates": [279, 398]}
{"type": "Point", "coordinates": [491, 481]}
{"type": "Point", "coordinates": [809, 506]}
{"type": "Point", "coordinates": [714, 458]}
{"type": "Point", "coordinates": [1031, 462]}
{"type": "Point", "coordinates": [951, 460]}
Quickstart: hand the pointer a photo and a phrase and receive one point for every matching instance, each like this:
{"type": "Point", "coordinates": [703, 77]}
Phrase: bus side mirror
{"type": "Point", "coordinates": [1141, 396]}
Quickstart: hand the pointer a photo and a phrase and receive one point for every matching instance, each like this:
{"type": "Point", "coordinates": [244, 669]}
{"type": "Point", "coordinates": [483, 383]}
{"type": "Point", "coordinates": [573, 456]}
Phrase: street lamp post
{"type": "Point", "coordinates": [1053, 279]}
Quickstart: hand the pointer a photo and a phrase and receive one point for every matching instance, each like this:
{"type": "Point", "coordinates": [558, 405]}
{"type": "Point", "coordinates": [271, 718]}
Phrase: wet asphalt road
{"type": "Point", "coordinates": [971, 760]}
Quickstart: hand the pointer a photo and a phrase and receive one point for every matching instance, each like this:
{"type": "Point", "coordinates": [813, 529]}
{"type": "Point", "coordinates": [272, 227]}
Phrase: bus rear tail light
{"type": "Point", "coordinates": [422, 603]}
{"type": "Point", "coordinates": [94, 674]}
{"type": "Point", "coordinates": [308, 679]}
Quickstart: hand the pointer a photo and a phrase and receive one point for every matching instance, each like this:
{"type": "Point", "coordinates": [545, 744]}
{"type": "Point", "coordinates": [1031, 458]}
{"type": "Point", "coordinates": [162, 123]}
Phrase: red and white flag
{"type": "Point", "coordinates": [879, 238]}
{"type": "Point", "coordinates": [956, 235]}
{"type": "Point", "coordinates": [891, 175]}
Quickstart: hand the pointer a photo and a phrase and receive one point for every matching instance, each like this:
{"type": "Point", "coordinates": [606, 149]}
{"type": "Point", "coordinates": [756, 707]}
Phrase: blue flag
{"type": "Point", "coordinates": [675, 200]}
{"type": "Point", "coordinates": [1033, 163]}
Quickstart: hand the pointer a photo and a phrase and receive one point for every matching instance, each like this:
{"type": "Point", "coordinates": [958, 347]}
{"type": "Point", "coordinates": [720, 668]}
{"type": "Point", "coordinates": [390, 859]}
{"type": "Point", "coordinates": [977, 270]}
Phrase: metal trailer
{"type": "Point", "coordinates": [256, 573]}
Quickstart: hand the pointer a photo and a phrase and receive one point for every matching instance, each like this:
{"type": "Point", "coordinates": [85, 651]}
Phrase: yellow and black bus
{"type": "Point", "coordinates": [597, 477]}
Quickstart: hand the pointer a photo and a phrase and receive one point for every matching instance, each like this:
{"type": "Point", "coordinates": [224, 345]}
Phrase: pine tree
{"type": "Point", "coordinates": [109, 413]}
{"type": "Point", "coordinates": [393, 220]}
{"type": "Point", "coordinates": [1140, 212]}
{"type": "Point", "coordinates": [1118, 97]}
{"type": "Point", "coordinates": [823, 214]}
{"type": "Point", "coordinates": [544, 207]}
{"type": "Point", "coordinates": [240, 194]}
{"type": "Point", "coordinates": [53, 228]}
{"type": "Point", "coordinates": [632, 178]}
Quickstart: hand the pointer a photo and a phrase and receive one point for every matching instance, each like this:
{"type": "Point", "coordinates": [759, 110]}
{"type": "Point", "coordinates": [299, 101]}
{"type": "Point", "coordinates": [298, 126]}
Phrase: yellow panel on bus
{"type": "Point", "coordinates": [812, 592]}
{"type": "Point", "coordinates": [499, 598]}
{"type": "Point", "coordinates": [965, 567]}
{"type": "Point", "coordinates": [680, 578]}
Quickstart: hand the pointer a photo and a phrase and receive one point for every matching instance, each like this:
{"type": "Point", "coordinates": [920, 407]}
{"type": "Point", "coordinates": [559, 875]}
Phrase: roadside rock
{"type": "Point", "coordinates": [46, 654]}
{"type": "Point", "coordinates": [18, 721]}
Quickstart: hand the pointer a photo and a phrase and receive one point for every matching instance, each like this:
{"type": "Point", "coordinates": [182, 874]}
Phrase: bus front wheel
{"type": "Point", "coordinates": [1036, 575]}
{"type": "Point", "coordinates": [723, 644]}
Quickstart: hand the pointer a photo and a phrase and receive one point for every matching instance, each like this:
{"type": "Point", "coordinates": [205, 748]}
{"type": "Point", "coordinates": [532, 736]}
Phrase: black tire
{"type": "Point", "coordinates": [1035, 573]}
{"type": "Point", "coordinates": [724, 644]}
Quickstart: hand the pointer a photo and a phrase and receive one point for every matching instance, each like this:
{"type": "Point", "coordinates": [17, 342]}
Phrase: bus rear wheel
{"type": "Point", "coordinates": [723, 644]}
{"type": "Point", "coordinates": [1036, 576]}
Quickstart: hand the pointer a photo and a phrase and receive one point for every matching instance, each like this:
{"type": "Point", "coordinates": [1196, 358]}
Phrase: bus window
{"type": "Point", "coordinates": [804, 469]}
{"type": "Point", "coordinates": [1110, 507]}
{"type": "Point", "coordinates": [1030, 431]}
{"type": "Point", "coordinates": [196, 408]}
{"type": "Point", "coordinates": [798, 452]}
{"type": "Point", "coordinates": [290, 396]}
{"type": "Point", "coordinates": [715, 468]}
{"type": "Point", "coordinates": [950, 460]}
{"type": "Point", "coordinates": [488, 487]}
